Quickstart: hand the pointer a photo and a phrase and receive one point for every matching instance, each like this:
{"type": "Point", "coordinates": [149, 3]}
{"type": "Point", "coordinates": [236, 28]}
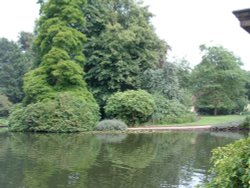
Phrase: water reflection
{"type": "Point", "coordinates": [173, 159]}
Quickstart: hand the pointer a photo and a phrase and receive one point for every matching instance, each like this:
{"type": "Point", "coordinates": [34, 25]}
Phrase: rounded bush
{"type": "Point", "coordinates": [231, 165]}
{"type": "Point", "coordinates": [5, 105]}
{"type": "Point", "coordinates": [170, 111]}
{"type": "Point", "coordinates": [112, 124]}
{"type": "Point", "coordinates": [63, 114]}
{"type": "Point", "coordinates": [133, 107]}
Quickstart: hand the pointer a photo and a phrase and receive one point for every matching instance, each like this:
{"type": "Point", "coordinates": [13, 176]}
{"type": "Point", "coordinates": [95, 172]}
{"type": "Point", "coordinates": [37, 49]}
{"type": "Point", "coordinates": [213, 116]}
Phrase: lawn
{"type": "Point", "coordinates": [212, 120]}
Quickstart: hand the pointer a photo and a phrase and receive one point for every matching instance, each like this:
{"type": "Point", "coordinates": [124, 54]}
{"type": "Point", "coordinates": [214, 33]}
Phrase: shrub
{"type": "Point", "coordinates": [63, 114]}
{"type": "Point", "coordinates": [5, 105]}
{"type": "Point", "coordinates": [231, 165]}
{"type": "Point", "coordinates": [170, 111]}
{"type": "Point", "coordinates": [112, 124]}
{"type": "Point", "coordinates": [246, 123]}
{"type": "Point", "coordinates": [133, 107]}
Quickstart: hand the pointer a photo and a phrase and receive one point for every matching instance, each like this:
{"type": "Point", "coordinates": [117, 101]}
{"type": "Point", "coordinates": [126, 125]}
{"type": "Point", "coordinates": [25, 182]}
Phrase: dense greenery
{"type": "Point", "coordinates": [121, 45]}
{"type": "Point", "coordinates": [170, 111]}
{"type": "Point", "coordinates": [219, 82]}
{"type": "Point", "coordinates": [63, 114]}
{"type": "Point", "coordinates": [231, 165]}
{"type": "Point", "coordinates": [246, 123]}
{"type": "Point", "coordinates": [5, 106]}
{"type": "Point", "coordinates": [111, 44]}
{"type": "Point", "coordinates": [59, 76]}
{"type": "Point", "coordinates": [13, 65]}
{"type": "Point", "coordinates": [133, 107]}
{"type": "Point", "coordinates": [166, 82]}
{"type": "Point", "coordinates": [110, 124]}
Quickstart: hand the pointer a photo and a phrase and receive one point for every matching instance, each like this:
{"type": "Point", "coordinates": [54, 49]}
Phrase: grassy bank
{"type": "Point", "coordinates": [211, 120]}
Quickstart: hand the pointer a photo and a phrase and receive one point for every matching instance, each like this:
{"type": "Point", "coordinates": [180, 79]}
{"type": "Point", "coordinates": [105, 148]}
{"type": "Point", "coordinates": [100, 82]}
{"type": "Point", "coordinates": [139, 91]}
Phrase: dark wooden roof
{"type": "Point", "coordinates": [244, 18]}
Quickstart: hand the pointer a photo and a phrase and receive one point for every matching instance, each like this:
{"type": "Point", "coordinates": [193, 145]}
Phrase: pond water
{"type": "Point", "coordinates": [156, 160]}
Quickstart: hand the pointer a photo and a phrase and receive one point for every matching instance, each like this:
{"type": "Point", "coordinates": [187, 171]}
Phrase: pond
{"type": "Point", "coordinates": [155, 160]}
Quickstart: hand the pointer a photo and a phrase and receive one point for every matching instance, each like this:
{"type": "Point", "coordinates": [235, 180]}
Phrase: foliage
{"type": "Point", "coordinates": [5, 106]}
{"type": "Point", "coordinates": [246, 123]}
{"type": "Point", "coordinates": [165, 81]}
{"type": "Point", "coordinates": [170, 111]}
{"type": "Point", "coordinates": [25, 40]}
{"type": "Point", "coordinates": [133, 107]}
{"type": "Point", "coordinates": [184, 73]}
{"type": "Point", "coordinates": [248, 85]}
{"type": "Point", "coordinates": [231, 165]}
{"type": "Point", "coordinates": [3, 121]}
{"type": "Point", "coordinates": [122, 45]}
{"type": "Point", "coordinates": [48, 156]}
{"type": "Point", "coordinates": [65, 113]}
{"type": "Point", "coordinates": [218, 81]}
{"type": "Point", "coordinates": [112, 124]}
{"type": "Point", "coordinates": [56, 95]}
{"type": "Point", "coordinates": [13, 65]}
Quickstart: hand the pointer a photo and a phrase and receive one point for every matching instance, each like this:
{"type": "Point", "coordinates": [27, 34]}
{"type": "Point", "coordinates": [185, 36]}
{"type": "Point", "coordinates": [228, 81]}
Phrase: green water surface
{"type": "Point", "coordinates": [172, 159]}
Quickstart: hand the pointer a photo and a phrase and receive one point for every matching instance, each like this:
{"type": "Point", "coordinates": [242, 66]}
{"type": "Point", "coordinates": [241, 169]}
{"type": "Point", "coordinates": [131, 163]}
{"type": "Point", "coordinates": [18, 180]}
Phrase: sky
{"type": "Point", "coordinates": [184, 25]}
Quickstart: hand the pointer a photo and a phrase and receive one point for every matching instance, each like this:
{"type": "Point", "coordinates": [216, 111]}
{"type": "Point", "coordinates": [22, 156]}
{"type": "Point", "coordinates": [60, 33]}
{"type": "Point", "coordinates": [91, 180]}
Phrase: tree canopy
{"type": "Point", "coordinates": [13, 65]}
{"type": "Point", "coordinates": [121, 45]}
{"type": "Point", "coordinates": [218, 81]}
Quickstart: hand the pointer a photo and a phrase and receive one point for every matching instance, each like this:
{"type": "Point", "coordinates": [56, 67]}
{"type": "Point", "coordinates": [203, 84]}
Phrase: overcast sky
{"type": "Point", "coordinates": [183, 24]}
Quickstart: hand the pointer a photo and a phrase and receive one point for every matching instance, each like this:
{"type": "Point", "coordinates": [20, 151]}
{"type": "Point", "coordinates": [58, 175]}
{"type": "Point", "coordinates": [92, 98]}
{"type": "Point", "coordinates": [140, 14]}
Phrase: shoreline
{"type": "Point", "coordinates": [172, 128]}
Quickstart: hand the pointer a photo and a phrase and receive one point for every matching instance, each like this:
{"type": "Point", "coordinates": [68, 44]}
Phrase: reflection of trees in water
{"type": "Point", "coordinates": [173, 159]}
{"type": "Point", "coordinates": [51, 160]}
{"type": "Point", "coordinates": [206, 143]}
{"type": "Point", "coordinates": [137, 152]}
{"type": "Point", "coordinates": [111, 138]}
{"type": "Point", "coordinates": [134, 161]}
{"type": "Point", "coordinates": [122, 162]}
{"type": "Point", "coordinates": [151, 160]}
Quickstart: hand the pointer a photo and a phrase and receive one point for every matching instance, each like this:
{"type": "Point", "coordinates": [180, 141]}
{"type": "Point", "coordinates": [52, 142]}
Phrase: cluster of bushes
{"type": "Point", "coordinates": [137, 107]}
{"type": "Point", "coordinates": [65, 113]}
{"type": "Point", "coordinates": [68, 113]}
{"type": "Point", "coordinates": [246, 123]}
{"type": "Point", "coordinates": [5, 106]}
{"type": "Point", "coordinates": [170, 111]}
{"type": "Point", "coordinates": [231, 165]}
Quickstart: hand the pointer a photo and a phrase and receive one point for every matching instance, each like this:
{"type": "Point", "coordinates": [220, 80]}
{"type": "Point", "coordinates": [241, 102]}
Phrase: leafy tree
{"type": "Point", "coordinates": [5, 106]}
{"type": "Point", "coordinates": [59, 45]}
{"type": "Point", "coordinates": [25, 40]}
{"type": "Point", "coordinates": [218, 81]}
{"type": "Point", "coordinates": [164, 81]}
{"type": "Point", "coordinates": [122, 45]}
{"type": "Point", "coordinates": [183, 72]}
{"type": "Point", "coordinates": [13, 65]}
{"type": "Point", "coordinates": [248, 84]}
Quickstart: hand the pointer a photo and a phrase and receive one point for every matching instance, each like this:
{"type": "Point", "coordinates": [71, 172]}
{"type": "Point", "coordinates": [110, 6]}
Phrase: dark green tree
{"type": "Point", "coordinates": [163, 81]}
{"type": "Point", "coordinates": [122, 45]}
{"type": "Point", "coordinates": [25, 40]}
{"type": "Point", "coordinates": [5, 106]}
{"type": "Point", "coordinates": [13, 66]}
{"type": "Point", "coordinates": [58, 81]}
{"type": "Point", "coordinates": [218, 81]}
{"type": "Point", "coordinates": [248, 84]}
